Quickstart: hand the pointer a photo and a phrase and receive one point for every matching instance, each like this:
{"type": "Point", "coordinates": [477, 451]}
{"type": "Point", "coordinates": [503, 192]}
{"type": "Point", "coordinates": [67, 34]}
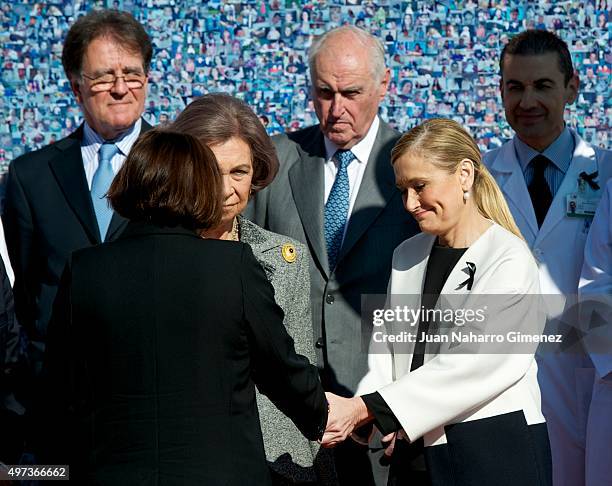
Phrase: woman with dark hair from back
{"type": "Point", "coordinates": [158, 338]}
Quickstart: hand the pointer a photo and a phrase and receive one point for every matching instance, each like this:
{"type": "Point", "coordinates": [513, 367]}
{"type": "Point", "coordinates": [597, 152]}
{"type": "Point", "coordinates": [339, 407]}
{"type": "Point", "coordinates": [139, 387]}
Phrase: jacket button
{"type": "Point", "coordinates": [329, 298]}
{"type": "Point", "coordinates": [319, 344]}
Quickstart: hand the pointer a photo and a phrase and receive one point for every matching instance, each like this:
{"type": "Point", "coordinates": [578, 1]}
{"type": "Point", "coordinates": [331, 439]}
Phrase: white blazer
{"type": "Point", "coordinates": [451, 388]}
{"type": "Point", "coordinates": [566, 379]}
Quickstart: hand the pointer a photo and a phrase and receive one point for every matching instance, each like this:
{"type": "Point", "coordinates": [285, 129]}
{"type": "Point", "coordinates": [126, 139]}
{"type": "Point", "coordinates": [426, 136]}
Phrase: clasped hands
{"type": "Point", "coordinates": [346, 415]}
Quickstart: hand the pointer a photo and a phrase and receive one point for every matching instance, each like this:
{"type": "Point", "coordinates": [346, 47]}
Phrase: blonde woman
{"type": "Point", "coordinates": [474, 407]}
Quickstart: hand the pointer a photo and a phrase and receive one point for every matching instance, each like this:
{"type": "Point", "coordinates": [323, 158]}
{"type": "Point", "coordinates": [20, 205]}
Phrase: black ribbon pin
{"type": "Point", "coordinates": [590, 179]}
{"type": "Point", "coordinates": [471, 271]}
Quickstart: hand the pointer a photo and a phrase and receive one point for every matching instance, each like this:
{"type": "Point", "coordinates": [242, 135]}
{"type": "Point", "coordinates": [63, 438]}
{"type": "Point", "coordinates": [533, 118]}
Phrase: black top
{"type": "Point", "coordinates": [441, 262]}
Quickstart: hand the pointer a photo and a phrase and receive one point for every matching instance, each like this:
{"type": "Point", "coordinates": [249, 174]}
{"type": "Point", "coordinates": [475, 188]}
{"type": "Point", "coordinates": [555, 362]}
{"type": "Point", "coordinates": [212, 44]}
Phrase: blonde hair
{"type": "Point", "coordinates": [445, 144]}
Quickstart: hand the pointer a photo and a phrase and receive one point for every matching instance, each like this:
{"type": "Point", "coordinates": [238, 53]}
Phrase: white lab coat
{"type": "Point", "coordinates": [596, 288]}
{"type": "Point", "coordinates": [565, 379]}
{"type": "Point", "coordinates": [452, 387]}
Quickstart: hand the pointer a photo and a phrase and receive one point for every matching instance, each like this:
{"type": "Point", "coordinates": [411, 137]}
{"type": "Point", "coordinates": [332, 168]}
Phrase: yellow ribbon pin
{"type": "Point", "coordinates": [289, 252]}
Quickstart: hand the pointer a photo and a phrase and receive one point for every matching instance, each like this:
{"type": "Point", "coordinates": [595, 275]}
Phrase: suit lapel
{"type": "Point", "coordinates": [377, 188]}
{"type": "Point", "coordinates": [255, 236]}
{"type": "Point", "coordinates": [67, 167]}
{"type": "Point", "coordinates": [476, 254]}
{"type": "Point", "coordinates": [409, 272]}
{"type": "Point", "coordinates": [260, 243]}
{"type": "Point", "coordinates": [408, 277]}
{"type": "Point", "coordinates": [307, 186]}
{"type": "Point", "coordinates": [509, 175]}
{"type": "Point", "coordinates": [116, 226]}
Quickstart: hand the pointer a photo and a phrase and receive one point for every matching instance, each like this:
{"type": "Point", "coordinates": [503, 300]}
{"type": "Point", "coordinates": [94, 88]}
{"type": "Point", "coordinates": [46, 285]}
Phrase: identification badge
{"type": "Point", "coordinates": [583, 202]}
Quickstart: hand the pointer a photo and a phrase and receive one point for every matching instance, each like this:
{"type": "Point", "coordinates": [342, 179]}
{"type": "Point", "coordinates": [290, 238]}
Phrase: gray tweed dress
{"type": "Point", "coordinates": [285, 262]}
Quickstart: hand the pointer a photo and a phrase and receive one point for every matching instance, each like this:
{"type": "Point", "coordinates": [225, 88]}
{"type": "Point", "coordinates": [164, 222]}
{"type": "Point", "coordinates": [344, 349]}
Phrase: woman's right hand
{"type": "Point", "coordinates": [345, 414]}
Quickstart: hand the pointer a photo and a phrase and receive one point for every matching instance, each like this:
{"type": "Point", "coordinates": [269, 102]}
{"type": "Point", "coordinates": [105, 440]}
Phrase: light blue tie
{"type": "Point", "coordinates": [102, 179]}
{"type": "Point", "coordinates": [336, 208]}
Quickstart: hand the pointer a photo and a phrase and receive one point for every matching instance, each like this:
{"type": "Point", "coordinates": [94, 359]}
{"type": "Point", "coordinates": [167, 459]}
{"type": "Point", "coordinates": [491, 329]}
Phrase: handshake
{"type": "Point", "coordinates": [346, 415]}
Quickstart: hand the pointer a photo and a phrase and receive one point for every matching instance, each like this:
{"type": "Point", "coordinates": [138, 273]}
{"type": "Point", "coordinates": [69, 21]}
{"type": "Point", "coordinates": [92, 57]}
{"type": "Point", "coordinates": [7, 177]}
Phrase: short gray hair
{"type": "Point", "coordinates": [369, 41]}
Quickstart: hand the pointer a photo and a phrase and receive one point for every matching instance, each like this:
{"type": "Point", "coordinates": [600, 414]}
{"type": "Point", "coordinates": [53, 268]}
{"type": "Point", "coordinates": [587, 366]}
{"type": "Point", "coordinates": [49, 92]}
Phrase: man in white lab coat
{"type": "Point", "coordinates": [552, 180]}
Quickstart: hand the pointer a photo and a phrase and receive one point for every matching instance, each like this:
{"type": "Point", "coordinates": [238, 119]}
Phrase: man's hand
{"type": "Point", "coordinates": [345, 414]}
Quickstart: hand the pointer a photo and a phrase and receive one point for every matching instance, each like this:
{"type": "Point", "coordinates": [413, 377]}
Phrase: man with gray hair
{"type": "Point", "coordinates": [335, 191]}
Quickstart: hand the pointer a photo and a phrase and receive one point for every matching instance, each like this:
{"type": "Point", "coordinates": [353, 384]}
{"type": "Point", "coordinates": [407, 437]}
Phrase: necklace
{"type": "Point", "coordinates": [233, 234]}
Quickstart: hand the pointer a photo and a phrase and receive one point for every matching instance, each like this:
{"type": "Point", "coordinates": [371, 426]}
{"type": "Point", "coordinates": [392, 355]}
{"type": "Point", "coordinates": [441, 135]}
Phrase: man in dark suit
{"type": "Point", "coordinates": [54, 198]}
{"type": "Point", "coordinates": [336, 192]}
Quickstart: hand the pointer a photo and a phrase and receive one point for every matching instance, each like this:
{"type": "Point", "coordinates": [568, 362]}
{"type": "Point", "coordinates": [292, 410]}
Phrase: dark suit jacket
{"type": "Point", "coordinates": [9, 327]}
{"type": "Point", "coordinates": [11, 443]}
{"type": "Point", "coordinates": [157, 339]}
{"type": "Point", "coordinates": [293, 205]}
{"type": "Point", "coordinates": [48, 214]}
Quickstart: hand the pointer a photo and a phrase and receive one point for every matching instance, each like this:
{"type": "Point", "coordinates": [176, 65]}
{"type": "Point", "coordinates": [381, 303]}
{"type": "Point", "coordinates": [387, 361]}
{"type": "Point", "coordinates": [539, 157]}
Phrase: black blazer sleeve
{"type": "Point", "coordinates": [9, 328]}
{"type": "Point", "coordinates": [54, 413]}
{"type": "Point", "coordinates": [59, 352]}
{"type": "Point", "coordinates": [285, 377]}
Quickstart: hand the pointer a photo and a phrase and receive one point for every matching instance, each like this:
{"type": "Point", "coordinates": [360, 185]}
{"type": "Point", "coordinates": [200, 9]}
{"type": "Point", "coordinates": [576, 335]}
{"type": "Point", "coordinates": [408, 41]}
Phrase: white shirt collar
{"type": "Point", "coordinates": [362, 149]}
{"type": "Point", "coordinates": [559, 152]}
{"type": "Point", "coordinates": [124, 142]}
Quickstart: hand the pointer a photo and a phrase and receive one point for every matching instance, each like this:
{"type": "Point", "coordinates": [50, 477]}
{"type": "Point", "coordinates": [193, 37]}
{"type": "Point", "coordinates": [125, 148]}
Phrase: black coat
{"type": "Point", "coordinates": [11, 443]}
{"type": "Point", "coordinates": [155, 344]}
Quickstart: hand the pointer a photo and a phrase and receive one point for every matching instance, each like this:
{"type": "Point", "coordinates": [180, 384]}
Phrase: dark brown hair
{"type": "Point", "coordinates": [118, 26]}
{"type": "Point", "coordinates": [216, 117]}
{"type": "Point", "coordinates": [169, 179]}
{"type": "Point", "coordinates": [534, 42]}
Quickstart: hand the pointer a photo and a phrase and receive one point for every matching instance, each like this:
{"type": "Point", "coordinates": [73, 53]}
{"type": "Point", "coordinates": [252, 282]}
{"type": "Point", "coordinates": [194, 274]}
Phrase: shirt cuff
{"type": "Point", "coordinates": [323, 424]}
{"type": "Point", "coordinates": [384, 418]}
